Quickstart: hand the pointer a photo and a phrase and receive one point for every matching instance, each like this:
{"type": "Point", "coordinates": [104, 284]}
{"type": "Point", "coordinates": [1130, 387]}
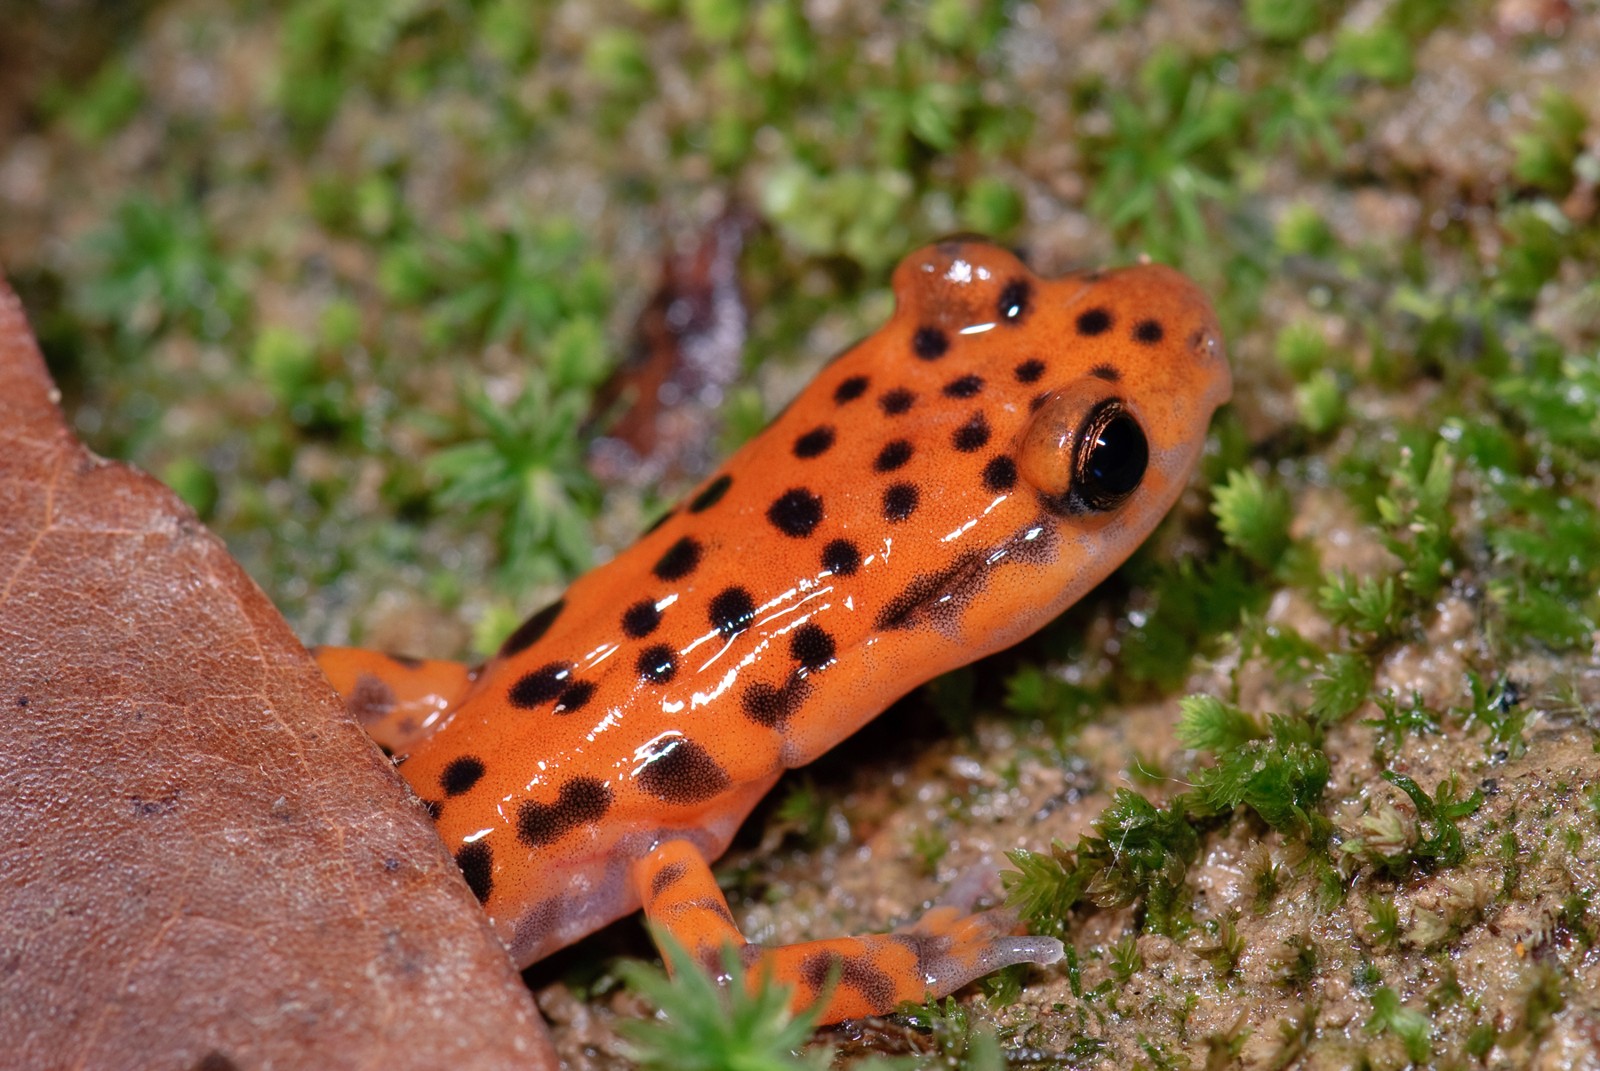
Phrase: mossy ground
{"type": "Point", "coordinates": [345, 275]}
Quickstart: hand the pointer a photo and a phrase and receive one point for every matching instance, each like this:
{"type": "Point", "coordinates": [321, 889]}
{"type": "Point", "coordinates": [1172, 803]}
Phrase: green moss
{"type": "Point", "coordinates": [101, 107]}
{"type": "Point", "coordinates": [1184, 609]}
{"type": "Point", "coordinates": [1369, 608]}
{"type": "Point", "coordinates": [929, 845]}
{"type": "Point", "coordinates": [1383, 922]}
{"type": "Point", "coordinates": [522, 467]}
{"type": "Point", "coordinates": [1125, 960]}
{"type": "Point", "coordinates": [1207, 723]}
{"type": "Point", "coordinates": [1281, 779]}
{"type": "Point", "coordinates": [1282, 21]}
{"type": "Point", "coordinates": [1299, 958]}
{"type": "Point", "coordinates": [1302, 231]}
{"type": "Point", "coordinates": [1498, 708]}
{"type": "Point", "coordinates": [1442, 845]}
{"type": "Point", "coordinates": [1399, 721]}
{"type": "Point", "coordinates": [1546, 153]}
{"type": "Point", "coordinates": [285, 360]}
{"type": "Point", "coordinates": [1320, 401]}
{"type": "Point", "coordinates": [1226, 951]}
{"type": "Point", "coordinates": [157, 268]}
{"type": "Point", "coordinates": [1165, 161]}
{"type": "Point", "coordinates": [1412, 1028]}
{"type": "Point", "coordinates": [1307, 109]}
{"type": "Point", "coordinates": [1382, 54]}
{"type": "Point", "coordinates": [1254, 519]}
{"type": "Point", "coordinates": [1418, 521]}
{"type": "Point", "coordinates": [618, 60]}
{"type": "Point", "coordinates": [520, 284]}
{"type": "Point", "coordinates": [807, 815]}
{"type": "Point", "coordinates": [963, 1042]}
{"type": "Point", "coordinates": [1342, 685]}
{"type": "Point", "coordinates": [1538, 237]}
{"type": "Point", "coordinates": [194, 482]}
{"type": "Point", "coordinates": [1266, 880]}
{"type": "Point", "coordinates": [707, 1027]}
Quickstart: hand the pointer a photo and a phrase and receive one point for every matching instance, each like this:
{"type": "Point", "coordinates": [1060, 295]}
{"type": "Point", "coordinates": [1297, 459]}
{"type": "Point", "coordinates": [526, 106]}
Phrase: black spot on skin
{"type": "Point", "coordinates": [732, 610]}
{"type": "Point", "coordinates": [683, 772]}
{"type": "Point", "coordinates": [433, 807]}
{"type": "Point", "coordinates": [1014, 300]}
{"type": "Point", "coordinates": [575, 697]}
{"type": "Point", "coordinates": [897, 401]}
{"type": "Point", "coordinates": [814, 443]}
{"type": "Point", "coordinates": [641, 619]}
{"type": "Point", "coordinates": [1105, 372]}
{"type": "Point", "coordinates": [581, 800]}
{"type": "Point", "coordinates": [796, 513]}
{"type": "Point", "coordinates": [892, 456]}
{"type": "Point", "coordinates": [1030, 370]}
{"type": "Point", "coordinates": [876, 987]}
{"type": "Point", "coordinates": [929, 343]}
{"type": "Point", "coordinates": [679, 561]}
{"type": "Point", "coordinates": [540, 686]}
{"type": "Point", "coordinates": [1037, 401]}
{"type": "Point", "coordinates": [973, 435]}
{"type": "Point", "coordinates": [706, 903]}
{"type": "Point", "coordinates": [712, 494]}
{"type": "Point", "coordinates": [764, 704]}
{"type": "Point", "coordinates": [812, 646]}
{"type": "Point", "coordinates": [841, 558]}
{"type": "Point", "coordinates": [771, 706]}
{"type": "Point", "coordinates": [851, 389]}
{"type": "Point", "coordinates": [370, 700]}
{"type": "Point", "coordinates": [657, 663]}
{"type": "Point", "coordinates": [663, 879]}
{"type": "Point", "coordinates": [476, 861]}
{"type": "Point", "coordinates": [965, 387]}
{"type": "Point", "coordinates": [1000, 474]}
{"type": "Point", "coordinates": [1094, 322]}
{"type": "Point", "coordinates": [1149, 332]}
{"type": "Point", "coordinates": [532, 630]}
{"type": "Point", "coordinates": [899, 501]}
{"type": "Point", "coordinates": [928, 950]}
{"type": "Point", "coordinates": [460, 775]}
{"type": "Point", "coordinates": [405, 661]}
{"type": "Point", "coordinates": [948, 585]}
{"type": "Point", "coordinates": [534, 926]}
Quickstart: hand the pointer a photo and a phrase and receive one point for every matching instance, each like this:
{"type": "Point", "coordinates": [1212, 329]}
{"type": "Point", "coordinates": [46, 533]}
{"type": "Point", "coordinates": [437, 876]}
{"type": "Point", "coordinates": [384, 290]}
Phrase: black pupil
{"type": "Point", "coordinates": [1118, 457]}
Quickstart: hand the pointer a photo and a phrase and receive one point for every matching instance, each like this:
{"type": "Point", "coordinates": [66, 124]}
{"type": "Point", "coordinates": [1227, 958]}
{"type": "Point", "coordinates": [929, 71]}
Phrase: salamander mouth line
{"type": "Point", "coordinates": [963, 578]}
{"type": "Point", "coordinates": [938, 598]}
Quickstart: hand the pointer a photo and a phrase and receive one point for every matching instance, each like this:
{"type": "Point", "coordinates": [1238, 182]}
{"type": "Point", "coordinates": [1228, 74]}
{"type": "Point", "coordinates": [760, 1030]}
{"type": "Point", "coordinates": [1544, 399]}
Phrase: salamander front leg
{"type": "Point", "coordinates": [871, 975]}
{"type": "Point", "coordinates": [398, 701]}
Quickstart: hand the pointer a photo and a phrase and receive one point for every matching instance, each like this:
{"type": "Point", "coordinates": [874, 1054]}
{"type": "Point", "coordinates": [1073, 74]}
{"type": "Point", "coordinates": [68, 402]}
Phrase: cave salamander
{"type": "Point", "coordinates": [939, 491]}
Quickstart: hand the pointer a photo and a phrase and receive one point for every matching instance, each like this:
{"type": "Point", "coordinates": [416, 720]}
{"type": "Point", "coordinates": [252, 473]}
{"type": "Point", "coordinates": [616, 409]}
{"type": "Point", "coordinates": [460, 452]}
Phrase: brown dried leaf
{"type": "Point", "coordinates": [205, 863]}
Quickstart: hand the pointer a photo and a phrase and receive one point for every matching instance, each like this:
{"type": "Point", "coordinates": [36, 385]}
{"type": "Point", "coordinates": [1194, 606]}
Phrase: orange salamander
{"type": "Point", "coordinates": [941, 490]}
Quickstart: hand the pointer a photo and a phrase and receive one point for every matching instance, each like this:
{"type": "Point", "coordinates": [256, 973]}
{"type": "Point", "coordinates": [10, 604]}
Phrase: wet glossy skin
{"type": "Point", "coordinates": [941, 490]}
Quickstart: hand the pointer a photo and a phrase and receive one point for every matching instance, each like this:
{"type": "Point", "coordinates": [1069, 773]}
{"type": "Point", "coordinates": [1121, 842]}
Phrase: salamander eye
{"type": "Point", "coordinates": [1084, 450]}
{"type": "Point", "coordinates": [1111, 456]}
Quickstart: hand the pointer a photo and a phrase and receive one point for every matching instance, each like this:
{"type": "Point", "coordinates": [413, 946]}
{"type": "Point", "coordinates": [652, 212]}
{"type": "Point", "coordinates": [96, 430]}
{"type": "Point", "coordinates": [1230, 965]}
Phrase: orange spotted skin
{"type": "Point", "coordinates": [940, 491]}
